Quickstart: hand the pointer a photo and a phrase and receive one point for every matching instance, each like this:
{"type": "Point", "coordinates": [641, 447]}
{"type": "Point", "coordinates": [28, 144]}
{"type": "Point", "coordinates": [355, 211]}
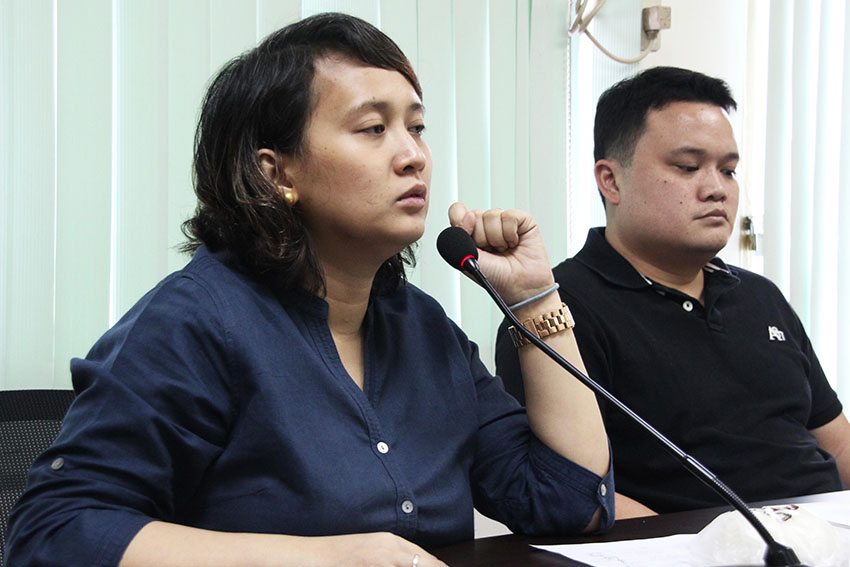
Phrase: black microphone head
{"type": "Point", "coordinates": [455, 246]}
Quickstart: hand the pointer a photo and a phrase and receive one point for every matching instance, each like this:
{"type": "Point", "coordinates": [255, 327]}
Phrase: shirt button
{"type": "Point", "coordinates": [57, 463]}
{"type": "Point", "coordinates": [383, 448]}
{"type": "Point", "coordinates": [407, 506]}
{"type": "Point", "coordinates": [688, 306]}
{"type": "Point", "coordinates": [603, 490]}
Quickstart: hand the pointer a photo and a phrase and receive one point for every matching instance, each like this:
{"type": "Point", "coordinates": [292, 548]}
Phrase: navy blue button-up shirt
{"type": "Point", "coordinates": [214, 403]}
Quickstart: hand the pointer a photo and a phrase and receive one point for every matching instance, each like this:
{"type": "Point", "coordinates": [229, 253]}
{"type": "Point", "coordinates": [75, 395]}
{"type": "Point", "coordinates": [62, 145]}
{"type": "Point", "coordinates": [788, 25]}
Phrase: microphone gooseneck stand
{"type": "Point", "coordinates": [458, 249]}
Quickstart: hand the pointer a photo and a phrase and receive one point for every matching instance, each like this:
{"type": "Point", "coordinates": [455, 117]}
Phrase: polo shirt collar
{"type": "Point", "coordinates": [599, 256]}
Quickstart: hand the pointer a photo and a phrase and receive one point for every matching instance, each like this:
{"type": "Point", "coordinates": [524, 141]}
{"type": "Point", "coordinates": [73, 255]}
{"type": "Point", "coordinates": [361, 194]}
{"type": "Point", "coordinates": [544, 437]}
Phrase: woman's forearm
{"type": "Point", "coordinates": [562, 412]}
{"type": "Point", "coordinates": [167, 545]}
{"type": "Point", "coordinates": [172, 545]}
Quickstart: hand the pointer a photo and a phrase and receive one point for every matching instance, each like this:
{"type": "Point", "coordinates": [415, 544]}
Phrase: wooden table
{"type": "Point", "coordinates": [516, 550]}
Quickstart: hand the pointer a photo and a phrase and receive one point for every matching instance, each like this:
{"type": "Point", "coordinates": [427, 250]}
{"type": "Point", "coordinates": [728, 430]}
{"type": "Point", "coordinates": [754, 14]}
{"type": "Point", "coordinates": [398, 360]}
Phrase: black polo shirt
{"type": "Point", "coordinates": [735, 383]}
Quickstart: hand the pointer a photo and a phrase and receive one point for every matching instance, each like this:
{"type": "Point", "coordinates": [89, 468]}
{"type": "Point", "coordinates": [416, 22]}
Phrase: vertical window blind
{"type": "Point", "coordinates": [98, 103]}
{"type": "Point", "coordinates": [807, 180]}
{"type": "Point", "coordinates": [99, 99]}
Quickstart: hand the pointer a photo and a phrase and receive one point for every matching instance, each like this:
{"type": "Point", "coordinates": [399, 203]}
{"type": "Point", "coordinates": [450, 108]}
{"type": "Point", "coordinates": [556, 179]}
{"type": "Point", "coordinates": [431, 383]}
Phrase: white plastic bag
{"type": "Point", "coordinates": [731, 539]}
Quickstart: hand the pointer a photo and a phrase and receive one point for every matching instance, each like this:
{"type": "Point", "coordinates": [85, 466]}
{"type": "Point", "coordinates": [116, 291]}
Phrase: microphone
{"type": "Point", "coordinates": [457, 248]}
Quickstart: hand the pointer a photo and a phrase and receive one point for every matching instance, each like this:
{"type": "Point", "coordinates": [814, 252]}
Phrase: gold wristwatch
{"type": "Point", "coordinates": [544, 325]}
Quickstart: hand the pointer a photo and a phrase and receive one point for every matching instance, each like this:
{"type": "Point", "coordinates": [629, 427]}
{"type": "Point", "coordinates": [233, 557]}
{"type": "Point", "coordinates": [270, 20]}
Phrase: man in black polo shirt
{"type": "Point", "coordinates": [711, 355]}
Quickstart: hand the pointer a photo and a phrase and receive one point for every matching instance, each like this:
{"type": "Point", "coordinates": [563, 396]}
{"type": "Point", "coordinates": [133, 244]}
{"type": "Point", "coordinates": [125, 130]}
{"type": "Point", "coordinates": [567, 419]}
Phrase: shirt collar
{"type": "Point", "coordinates": [717, 265]}
{"type": "Point", "coordinates": [598, 255]}
{"type": "Point", "coordinates": [295, 299]}
{"type": "Point", "coordinates": [601, 257]}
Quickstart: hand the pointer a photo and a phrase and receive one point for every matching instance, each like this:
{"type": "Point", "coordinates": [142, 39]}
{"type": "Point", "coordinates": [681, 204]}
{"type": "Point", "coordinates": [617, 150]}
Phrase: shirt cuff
{"type": "Point", "coordinates": [596, 489]}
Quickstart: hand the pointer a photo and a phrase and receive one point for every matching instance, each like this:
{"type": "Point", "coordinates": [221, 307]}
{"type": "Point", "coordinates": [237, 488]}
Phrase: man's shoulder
{"type": "Point", "coordinates": [587, 291]}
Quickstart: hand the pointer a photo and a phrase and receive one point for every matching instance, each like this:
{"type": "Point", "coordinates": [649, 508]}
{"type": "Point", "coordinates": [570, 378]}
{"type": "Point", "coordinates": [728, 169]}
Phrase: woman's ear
{"type": "Point", "coordinates": [609, 175]}
{"type": "Point", "coordinates": [271, 164]}
{"type": "Point", "coordinates": [273, 167]}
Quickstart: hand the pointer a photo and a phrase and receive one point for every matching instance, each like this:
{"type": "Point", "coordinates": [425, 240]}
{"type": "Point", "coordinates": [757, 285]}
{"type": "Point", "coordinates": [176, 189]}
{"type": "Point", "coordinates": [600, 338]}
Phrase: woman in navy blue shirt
{"type": "Point", "coordinates": [287, 398]}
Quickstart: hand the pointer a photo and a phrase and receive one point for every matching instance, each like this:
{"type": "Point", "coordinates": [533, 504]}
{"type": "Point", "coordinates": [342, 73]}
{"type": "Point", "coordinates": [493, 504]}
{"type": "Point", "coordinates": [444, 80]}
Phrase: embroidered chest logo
{"type": "Point", "coordinates": [774, 333]}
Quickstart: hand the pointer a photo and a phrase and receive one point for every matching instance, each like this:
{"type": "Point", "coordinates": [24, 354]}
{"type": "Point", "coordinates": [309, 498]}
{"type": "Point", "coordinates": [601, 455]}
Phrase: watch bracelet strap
{"type": "Point", "coordinates": [543, 325]}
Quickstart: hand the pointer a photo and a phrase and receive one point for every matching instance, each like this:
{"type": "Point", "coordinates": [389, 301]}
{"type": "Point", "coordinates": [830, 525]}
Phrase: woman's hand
{"type": "Point", "coordinates": [172, 545]}
{"type": "Point", "coordinates": [513, 257]}
{"type": "Point", "coordinates": [511, 250]}
{"type": "Point", "coordinates": [370, 550]}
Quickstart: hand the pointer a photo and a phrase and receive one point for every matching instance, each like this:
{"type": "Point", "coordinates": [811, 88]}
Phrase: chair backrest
{"type": "Point", "coordinates": [29, 422]}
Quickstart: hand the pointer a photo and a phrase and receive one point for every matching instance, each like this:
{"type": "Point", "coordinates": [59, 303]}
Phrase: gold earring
{"type": "Point", "coordinates": [290, 198]}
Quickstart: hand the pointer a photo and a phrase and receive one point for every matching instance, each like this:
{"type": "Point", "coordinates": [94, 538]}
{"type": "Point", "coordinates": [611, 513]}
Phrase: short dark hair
{"type": "Point", "coordinates": [263, 99]}
{"type": "Point", "coordinates": [622, 109]}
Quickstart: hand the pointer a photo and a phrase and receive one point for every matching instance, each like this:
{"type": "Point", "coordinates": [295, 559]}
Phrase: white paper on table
{"type": "Point", "coordinates": [673, 550]}
{"type": "Point", "coordinates": [651, 552]}
{"type": "Point", "coordinates": [836, 513]}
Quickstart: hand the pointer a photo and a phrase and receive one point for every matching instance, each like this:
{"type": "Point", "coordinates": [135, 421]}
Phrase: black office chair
{"type": "Point", "coordinates": [29, 422]}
